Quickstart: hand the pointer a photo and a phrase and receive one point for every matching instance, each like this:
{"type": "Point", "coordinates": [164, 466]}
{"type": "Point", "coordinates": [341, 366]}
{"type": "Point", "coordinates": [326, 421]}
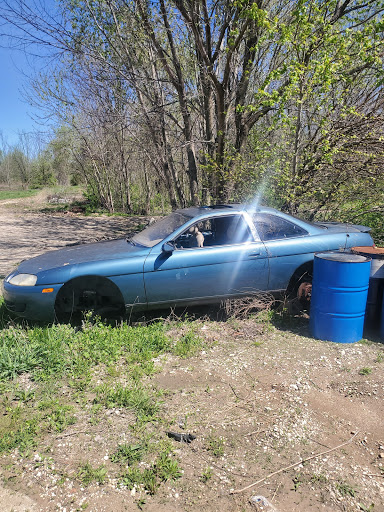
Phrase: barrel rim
{"type": "Point", "coordinates": [342, 257]}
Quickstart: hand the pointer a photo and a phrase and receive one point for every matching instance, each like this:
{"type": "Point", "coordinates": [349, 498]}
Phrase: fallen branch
{"type": "Point", "coordinates": [238, 491]}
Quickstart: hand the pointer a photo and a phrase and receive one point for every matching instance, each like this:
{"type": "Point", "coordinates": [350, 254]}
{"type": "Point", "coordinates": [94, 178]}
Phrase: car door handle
{"type": "Point", "coordinates": [254, 254]}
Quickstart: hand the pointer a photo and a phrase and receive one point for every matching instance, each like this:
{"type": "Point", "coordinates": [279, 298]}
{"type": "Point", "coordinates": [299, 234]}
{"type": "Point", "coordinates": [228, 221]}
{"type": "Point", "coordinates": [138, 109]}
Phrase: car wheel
{"type": "Point", "coordinates": [96, 295]}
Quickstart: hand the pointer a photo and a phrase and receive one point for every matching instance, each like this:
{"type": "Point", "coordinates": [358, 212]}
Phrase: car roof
{"type": "Point", "coordinates": [196, 211]}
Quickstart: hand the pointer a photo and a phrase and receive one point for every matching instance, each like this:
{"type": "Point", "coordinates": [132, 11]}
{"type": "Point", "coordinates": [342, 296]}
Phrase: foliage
{"type": "Point", "coordinates": [170, 103]}
{"type": "Point", "coordinates": [129, 454]}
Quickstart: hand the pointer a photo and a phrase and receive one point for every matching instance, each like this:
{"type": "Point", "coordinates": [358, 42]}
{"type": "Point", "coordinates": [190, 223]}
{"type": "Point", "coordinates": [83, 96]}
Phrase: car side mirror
{"type": "Point", "coordinates": [168, 247]}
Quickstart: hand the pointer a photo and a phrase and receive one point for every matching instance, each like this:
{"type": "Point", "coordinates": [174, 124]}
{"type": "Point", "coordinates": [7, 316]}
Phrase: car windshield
{"type": "Point", "coordinates": [155, 233]}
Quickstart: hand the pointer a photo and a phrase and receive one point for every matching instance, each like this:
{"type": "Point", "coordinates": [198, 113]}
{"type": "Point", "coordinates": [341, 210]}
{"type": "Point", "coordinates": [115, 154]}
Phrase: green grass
{"type": "Point", "coordinates": [16, 194]}
{"type": "Point", "coordinates": [51, 375]}
{"type": "Point", "coordinates": [188, 345]}
{"type": "Point", "coordinates": [59, 349]}
{"type": "Point", "coordinates": [365, 371]}
{"type": "Point", "coordinates": [58, 356]}
{"type": "Point", "coordinates": [215, 445]}
{"type": "Point", "coordinates": [88, 474]}
{"type": "Point", "coordinates": [345, 489]}
{"type": "Point", "coordinates": [129, 453]}
{"type": "Point", "coordinates": [164, 468]}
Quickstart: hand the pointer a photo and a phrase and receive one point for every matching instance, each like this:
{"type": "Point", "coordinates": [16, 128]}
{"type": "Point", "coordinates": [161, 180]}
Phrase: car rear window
{"type": "Point", "coordinates": [272, 227]}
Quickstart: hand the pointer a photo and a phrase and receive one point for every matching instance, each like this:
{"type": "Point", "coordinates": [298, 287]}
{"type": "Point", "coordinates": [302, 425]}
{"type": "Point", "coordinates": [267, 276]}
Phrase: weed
{"type": "Point", "coordinates": [297, 481]}
{"type": "Point", "coordinates": [87, 474]}
{"type": "Point", "coordinates": [81, 382]}
{"type": "Point", "coordinates": [140, 503]}
{"type": "Point", "coordinates": [56, 417]}
{"type": "Point", "coordinates": [319, 478]}
{"type": "Point", "coordinates": [188, 345]}
{"type": "Point", "coordinates": [380, 357]}
{"type": "Point", "coordinates": [22, 436]}
{"type": "Point", "coordinates": [206, 475]}
{"type": "Point", "coordinates": [215, 445]}
{"type": "Point", "coordinates": [95, 416]}
{"type": "Point", "coordinates": [164, 468]}
{"type": "Point", "coordinates": [370, 508]}
{"type": "Point", "coordinates": [129, 453]}
{"type": "Point", "coordinates": [365, 342]}
{"type": "Point", "coordinates": [234, 323]}
{"type": "Point", "coordinates": [266, 317]}
{"type": "Point", "coordinates": [24, 395]}
{"type": "Point", "coordinates": [134, 397]}
{"type": "Point", "coordinates": [345, 489]}
{"type": "Point", "coordinates": [365, 371]}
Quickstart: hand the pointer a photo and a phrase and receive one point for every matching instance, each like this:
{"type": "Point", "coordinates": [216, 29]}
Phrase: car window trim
{"type": "Point", "coordinates": [243, 244]}
{"type": "Point", "coordinates": [244, 215]}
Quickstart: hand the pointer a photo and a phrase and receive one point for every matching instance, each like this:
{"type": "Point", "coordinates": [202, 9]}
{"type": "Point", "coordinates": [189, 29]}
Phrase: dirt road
{"type": "Point", "coordinates": [25, 232]}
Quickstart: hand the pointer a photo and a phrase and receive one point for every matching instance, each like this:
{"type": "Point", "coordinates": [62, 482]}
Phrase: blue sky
{"type": "Point", "coordinates": [14, 111]}
{"type": "Point", "coordinates": [16, 115]}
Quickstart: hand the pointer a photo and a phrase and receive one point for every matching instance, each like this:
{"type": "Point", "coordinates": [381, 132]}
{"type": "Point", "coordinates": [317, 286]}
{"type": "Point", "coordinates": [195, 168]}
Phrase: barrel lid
{"type": "Point", "coordinates": [371, 251]}
{"type": "Point", "coordinates": [343, 257]}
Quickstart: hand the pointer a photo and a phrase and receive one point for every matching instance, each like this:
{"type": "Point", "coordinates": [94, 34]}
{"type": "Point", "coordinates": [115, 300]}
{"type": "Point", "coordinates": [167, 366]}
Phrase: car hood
{"type": "Point", "coordinates": [78, 254]}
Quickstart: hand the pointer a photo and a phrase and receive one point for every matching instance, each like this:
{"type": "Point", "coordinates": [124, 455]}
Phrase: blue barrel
{"type": "Point", "coordinates": [382, 318]}
{"type": "Point", "coordinates": [339, 296]}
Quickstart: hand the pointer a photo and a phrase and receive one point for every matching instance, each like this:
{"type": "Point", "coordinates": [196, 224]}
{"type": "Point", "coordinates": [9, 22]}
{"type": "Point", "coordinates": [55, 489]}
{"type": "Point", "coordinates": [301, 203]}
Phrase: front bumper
{"type": "Point", "coordinates": [30, 302]}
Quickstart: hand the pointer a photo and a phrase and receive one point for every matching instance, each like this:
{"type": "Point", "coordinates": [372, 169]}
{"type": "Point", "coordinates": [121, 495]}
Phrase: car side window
{"type": "Point", "coordinates": [196, 235]}
{"type": "Point", "coordinates": [228, 230]}
{"type": "Point", "coordinates": [272, 227]}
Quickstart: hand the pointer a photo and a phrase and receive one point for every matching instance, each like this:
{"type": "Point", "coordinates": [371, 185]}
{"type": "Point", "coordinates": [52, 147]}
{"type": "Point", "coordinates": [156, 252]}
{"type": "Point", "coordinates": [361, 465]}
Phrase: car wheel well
{"type": "Point", "coordinates": [88, 293]}
{"type": "Point", "coordinates": [305, 270]}
{"type": "Point", "coordinates": [300, 285]}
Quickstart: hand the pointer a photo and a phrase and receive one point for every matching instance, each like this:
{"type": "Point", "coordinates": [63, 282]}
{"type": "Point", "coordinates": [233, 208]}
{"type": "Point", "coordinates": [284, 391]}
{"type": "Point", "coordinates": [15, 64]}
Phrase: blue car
{"type": "Point", "coordinates": [193, 256]}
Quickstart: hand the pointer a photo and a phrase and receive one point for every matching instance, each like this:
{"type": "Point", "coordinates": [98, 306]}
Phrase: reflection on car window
{"type": "Point", "coordinates": [155, 233]}
{"type": "Point", "coordinates": [232, 229]}
{"type": "Point", "coordinates": [272, 227]}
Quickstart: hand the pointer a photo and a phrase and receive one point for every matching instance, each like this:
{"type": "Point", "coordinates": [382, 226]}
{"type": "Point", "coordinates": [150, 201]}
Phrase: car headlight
{"type": "Point", "coordinates": [23, 280]}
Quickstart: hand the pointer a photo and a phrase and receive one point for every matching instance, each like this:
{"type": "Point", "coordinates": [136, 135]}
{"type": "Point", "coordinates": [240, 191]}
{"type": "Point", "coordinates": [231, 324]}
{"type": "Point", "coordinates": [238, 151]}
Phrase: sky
{"type": "Point", "coordinates": [15, 113]}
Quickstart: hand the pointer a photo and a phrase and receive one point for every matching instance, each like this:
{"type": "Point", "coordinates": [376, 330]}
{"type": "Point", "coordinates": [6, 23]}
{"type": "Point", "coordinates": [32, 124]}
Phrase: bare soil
{"type": "Point", "coordinates": [27, 232]}
{"type": "Point", "coordinates": [271, 399]}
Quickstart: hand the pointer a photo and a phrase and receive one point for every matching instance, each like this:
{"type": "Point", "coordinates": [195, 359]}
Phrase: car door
{"type": "Point", "coordinates": [288, 246]}
{"type": "Point", "coordinates": [230, 263]}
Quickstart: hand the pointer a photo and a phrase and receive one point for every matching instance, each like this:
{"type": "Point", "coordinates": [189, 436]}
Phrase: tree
{"type": "Point", "coordinates": [199, 79]}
